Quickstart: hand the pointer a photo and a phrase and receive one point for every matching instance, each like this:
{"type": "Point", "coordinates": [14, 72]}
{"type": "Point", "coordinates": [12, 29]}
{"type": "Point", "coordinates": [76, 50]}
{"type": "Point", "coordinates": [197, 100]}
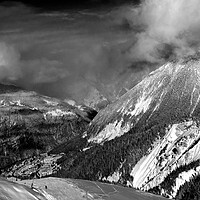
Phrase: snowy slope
{"type": "Point", "coordinates": [170, 89]}
{"type": "Point", "coordinates": [73, 189]}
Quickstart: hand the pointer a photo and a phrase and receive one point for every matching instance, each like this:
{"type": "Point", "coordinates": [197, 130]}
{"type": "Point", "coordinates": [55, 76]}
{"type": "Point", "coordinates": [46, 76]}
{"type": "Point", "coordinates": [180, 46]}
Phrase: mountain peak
{"type": "Point", "coordinates": [171, 90]}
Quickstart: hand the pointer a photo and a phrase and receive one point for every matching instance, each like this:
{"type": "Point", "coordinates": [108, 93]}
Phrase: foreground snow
{"type": "Point", "coordinates": [68, 189]}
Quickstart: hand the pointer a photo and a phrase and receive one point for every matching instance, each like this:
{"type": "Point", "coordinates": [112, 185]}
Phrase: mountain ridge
{"type": "Point", "coordinates": [152, 129]}
{"type": "Point", "coordinates": [148, 95]}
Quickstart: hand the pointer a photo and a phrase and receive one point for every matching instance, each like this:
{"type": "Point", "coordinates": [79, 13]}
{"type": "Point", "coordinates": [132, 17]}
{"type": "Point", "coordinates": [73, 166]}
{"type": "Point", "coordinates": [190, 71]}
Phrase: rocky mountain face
{"type": "Point", "coordinates": [150, 133]}
{"type": "Point", "coordinates": [171, 92]}
{"type": "Point", "coordinates": [31, 124]}
{"type": "Point", "coordinates": [165, 106]}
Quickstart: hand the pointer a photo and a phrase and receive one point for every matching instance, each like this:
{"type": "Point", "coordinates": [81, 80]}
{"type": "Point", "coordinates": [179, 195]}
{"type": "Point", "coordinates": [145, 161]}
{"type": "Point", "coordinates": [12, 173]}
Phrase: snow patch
{"type": "Point", "coordinates": [142, 105]}
{"type": "Point", "coordinates": [5, 103]}
{"type": "Point", "coordinates": [114, 178]}
{"type": "Point", "coordinates": [111, 131]}
{"type": "Point", "coordinates": [196, 103]}
{"type": "Point", "coordinates": [85, 149]}
{"type": "Point", "coordinates": [58, 113]}
{"type": "Point", "coordinates": [70, 102]}
{"type": "Point", "coordinates": [80, 107]}
{"type": "Point", "coordinates": [17, 103]}
{"type": "Point", "coordinates": [51, 103]}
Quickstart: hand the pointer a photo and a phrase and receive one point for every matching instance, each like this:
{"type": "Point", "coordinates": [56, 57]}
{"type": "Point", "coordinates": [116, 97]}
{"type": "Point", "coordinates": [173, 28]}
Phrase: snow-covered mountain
{"type": "Point", "coordinates": [166, 106]}
{"type": "Point", "coordinates": [172, 91]}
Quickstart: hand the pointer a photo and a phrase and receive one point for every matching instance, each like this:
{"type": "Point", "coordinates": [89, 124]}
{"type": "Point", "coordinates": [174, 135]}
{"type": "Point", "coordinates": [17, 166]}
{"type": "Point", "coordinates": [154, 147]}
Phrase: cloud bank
{"type": "Point", "coordinates": [68, 54]}
{"type": "Point", "coordinates": [172, 29]}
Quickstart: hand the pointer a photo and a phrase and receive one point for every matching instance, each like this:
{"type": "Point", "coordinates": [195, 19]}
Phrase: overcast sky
{"type": "Point", "coordinates": [66, 51]}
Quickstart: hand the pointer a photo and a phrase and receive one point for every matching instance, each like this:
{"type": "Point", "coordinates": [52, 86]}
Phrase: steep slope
{"type": "Point", "coordinates": [171, 92]}
{"type": "Point", "coordinates": [148, 133]}
{"type": "Point", "coordinates": [31, 124]}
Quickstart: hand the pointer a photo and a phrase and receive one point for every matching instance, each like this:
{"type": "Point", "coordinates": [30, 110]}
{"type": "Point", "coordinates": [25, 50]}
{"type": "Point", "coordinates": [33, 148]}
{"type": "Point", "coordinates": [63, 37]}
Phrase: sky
{"type": "Point", "coordinates": [66, 53]}
{"type": "Point", "coordinates": [68, 50]}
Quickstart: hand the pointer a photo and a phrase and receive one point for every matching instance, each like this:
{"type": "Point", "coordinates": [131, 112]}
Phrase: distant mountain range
{"type": "Point", "coordinates": [31, 124]}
